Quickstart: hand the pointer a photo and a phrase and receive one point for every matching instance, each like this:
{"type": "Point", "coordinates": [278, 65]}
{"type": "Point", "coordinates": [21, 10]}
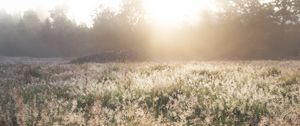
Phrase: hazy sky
{"type": "Point", "coordinates": [162, 12]}
{"type": "Point", "coordinates": [78, 10]}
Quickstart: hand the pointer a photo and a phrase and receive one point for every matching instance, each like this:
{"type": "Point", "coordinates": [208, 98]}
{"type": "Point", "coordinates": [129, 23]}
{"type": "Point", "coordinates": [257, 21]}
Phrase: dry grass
{"type": "Point", "coordinates": [194, 93]}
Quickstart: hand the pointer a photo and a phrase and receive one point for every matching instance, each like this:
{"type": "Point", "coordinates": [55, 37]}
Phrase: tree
{"type": "Point", "coordinates": [286, 11]}
{"type": "Point", "coordinates": [119, 30]}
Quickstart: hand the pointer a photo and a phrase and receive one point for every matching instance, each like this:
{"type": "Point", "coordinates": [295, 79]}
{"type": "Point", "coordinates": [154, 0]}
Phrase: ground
{"type": "Point", "coordinates": [151, 93]}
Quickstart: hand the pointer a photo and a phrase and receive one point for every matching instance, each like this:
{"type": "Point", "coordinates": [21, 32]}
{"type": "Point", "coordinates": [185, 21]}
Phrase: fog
{"type": "Point", "coordinates": [241, 29]}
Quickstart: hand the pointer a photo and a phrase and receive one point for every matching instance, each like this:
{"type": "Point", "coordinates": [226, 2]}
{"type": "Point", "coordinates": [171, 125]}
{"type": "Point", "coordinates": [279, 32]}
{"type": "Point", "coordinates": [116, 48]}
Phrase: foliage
{"type": "Point", "coordinates": [199, 93]}
{"type": "Point", "coordinates": [241, 29]}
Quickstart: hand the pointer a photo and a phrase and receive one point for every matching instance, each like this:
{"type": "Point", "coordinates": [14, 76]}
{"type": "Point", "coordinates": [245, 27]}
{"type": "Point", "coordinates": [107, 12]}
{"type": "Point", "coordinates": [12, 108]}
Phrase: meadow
{"type": "Point", "coordinates": [151, 93]}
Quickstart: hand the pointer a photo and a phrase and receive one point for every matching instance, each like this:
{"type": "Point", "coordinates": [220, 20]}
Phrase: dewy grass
{"type": "Point", "coordinates": [198, 93]}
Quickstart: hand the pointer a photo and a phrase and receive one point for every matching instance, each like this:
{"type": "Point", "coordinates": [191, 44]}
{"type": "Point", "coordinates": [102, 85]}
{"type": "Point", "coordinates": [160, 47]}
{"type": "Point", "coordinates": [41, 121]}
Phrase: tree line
{"type": "Point", "coordinates": [240, 28]}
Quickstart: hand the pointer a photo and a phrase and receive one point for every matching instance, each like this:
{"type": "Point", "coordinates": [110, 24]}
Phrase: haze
{"type": "Point", "coordinates": [78, 10]}
{"type": "Point", "coordinates": [188, 29]}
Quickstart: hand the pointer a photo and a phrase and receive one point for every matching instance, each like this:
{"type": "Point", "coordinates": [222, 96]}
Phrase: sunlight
{"type": "Point", "coordinates": [158, 12]}
{"type": "Point", "coordinates": [79, 11]}
{"type": "Point", "coordinates": [175, 12]}
{"type": "Point", "coordinates": [82, 12]}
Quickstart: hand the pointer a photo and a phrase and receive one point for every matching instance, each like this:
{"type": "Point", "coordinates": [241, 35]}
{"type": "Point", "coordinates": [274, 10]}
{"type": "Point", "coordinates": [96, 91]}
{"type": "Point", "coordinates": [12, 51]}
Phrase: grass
{"type": "Point", "coordinates": [198, 93]}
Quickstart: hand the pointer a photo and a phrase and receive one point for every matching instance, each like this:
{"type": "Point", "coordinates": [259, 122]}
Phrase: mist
{"type": "Point", "coordinates": [242, 29]}
{"type": "Point", "coordinates": [149, 62]}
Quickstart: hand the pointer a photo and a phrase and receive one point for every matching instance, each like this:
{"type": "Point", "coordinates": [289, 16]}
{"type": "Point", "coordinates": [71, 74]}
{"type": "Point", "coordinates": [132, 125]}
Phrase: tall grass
{"type": "Point", "coordinates": [199, 93]}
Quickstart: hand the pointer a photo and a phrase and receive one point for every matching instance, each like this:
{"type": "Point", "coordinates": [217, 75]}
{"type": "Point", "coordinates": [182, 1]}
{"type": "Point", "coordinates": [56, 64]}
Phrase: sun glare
{"type": "Point", "coordinates": [159, 12]}
{"type": "Point", "coordinates": [174, 12]}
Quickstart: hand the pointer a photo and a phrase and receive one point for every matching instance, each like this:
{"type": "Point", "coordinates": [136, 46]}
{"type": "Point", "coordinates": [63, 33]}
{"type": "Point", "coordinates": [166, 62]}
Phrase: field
{"type": "Point", "coordinates": [151, 93]}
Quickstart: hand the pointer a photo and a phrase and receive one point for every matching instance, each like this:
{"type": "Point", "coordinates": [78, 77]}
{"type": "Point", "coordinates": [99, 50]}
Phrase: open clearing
{"type": "Point", "coordinates": [178, 93]}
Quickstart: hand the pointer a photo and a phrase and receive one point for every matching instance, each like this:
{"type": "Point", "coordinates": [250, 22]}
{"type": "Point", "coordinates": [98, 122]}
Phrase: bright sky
{"type": "Point", "coordinates": [174, 12]}
{"type": "Point", "coordinates": [79, 10]}
{"type": "Point", "coordinates": [163, 12]}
